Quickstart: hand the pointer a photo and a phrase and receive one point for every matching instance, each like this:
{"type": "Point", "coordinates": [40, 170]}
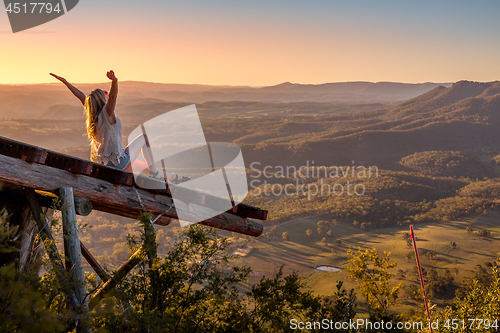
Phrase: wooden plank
{"type": "Point", "coordinates": [245, 210]}
{"type": "Point", "coordinates": [115, 199]}
{"type": "Point", "coordinates": [199, 198]}
{"type": "Point", "coordinates": [68, 163]}
{"type": "Point", "coordinates": [28, 153]}
{"type": "Point", "coordinates": [112, 175]}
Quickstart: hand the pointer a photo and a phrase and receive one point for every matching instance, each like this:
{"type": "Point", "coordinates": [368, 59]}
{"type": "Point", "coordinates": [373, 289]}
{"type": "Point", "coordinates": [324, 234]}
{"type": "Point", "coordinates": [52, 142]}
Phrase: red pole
{"type": "Point", "coordinates": [412, 237]}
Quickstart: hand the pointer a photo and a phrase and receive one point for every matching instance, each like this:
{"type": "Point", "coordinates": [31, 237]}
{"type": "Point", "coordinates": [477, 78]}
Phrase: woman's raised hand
{"type": "Point", "coordinates": [60, 78]}
{"type": "Point", "coordinates": [111, 75]}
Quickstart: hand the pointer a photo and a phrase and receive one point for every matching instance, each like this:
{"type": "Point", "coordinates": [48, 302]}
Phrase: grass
{"type": "Point", "coordinates": [303, 254]}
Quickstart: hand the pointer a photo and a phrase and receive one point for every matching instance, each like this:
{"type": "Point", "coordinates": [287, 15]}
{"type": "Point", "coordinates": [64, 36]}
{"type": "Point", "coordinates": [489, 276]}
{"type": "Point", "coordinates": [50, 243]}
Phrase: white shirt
{"type": "Point", "coordinates": [107, 144]}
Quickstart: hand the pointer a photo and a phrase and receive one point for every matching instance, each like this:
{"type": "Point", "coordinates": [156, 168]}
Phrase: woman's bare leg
{"type": "Point", "coordinates": [136, 165]}
{"type": "Point", "coordinates": [134, 148]}
{"type": "Point", "coordinates": [139, 145]}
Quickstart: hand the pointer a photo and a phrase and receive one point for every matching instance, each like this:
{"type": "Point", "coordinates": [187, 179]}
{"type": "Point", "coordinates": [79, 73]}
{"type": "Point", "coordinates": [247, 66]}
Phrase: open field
{"type": "Point", "coordinates": [303, 254]}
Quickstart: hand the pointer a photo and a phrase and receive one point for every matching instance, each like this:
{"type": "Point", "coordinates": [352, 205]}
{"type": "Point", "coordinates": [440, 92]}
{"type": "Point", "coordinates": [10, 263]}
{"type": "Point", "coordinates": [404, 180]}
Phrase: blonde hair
{"type": "Point", "coordinates": [94, 103]}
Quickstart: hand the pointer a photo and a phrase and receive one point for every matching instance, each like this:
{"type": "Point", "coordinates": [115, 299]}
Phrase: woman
{"type": "Point", "coordinates": [104, 130]}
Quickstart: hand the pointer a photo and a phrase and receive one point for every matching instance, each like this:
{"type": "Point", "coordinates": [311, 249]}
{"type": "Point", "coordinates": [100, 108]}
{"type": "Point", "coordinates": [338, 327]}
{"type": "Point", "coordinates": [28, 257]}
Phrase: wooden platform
{"type": "Point", "coordinates": [110, 190]}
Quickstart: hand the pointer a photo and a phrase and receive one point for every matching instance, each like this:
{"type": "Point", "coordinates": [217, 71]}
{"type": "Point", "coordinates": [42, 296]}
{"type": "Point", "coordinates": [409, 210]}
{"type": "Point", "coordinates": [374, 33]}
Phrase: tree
{"type": "Point", "coordinates": [470, 229]}
{"type": "Point", "coordinates": [329, 233]}
{"type": "Point", "coordinates": [309, 233]}
{"type": "Point", "coordinates": [484, 233]}
{"type": "Point", "coordinates": [273, 230]}
{"type": "Point", "coordinates": [412, 292]}
{"type": "Point", "coordinates": [319, 231]}
{"type": "Point", "coordinates": [480, 302]}
{"type": "Point", "coordinates": [286, 236]}
{"type": "Point", "coordinates": [482, 276]}
{"type": "Point", "coordinates": [187, 290]}
{"type": "Point", "coordinates": [409, 242]}
{"type": "Point", "coordinates": [325, 241]}
{"type": "Point", "coordinates": [181, 293]}
{"type": "Point", "coordinates": [430, 255]}
{"type": "Point", "coordinates": [371, 271]}
{"type": "Point", "coordinates": [29, 303]}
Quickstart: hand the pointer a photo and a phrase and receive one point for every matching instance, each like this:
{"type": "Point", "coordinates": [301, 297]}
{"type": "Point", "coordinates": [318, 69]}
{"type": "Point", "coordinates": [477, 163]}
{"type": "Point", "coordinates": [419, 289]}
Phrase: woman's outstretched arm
{"type": "Point", "coordinates": [113, 93]}
{"type": "Point", "coordinates": [72, 88]}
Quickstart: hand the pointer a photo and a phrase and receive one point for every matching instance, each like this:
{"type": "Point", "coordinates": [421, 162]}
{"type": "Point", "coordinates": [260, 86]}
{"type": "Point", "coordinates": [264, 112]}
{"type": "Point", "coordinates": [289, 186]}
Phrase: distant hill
{"type": "Point", "coordinates": [430, 103]}
{"type": "Point", "coordinates": [30, 101]}
{"type": "Point", "coordinates": [63, 112]}
{"type": "Point", "coordinates": [445, 164]}
{"type": "Point", "coordinates": [293, 92]}
{"type": "Point", "coordinates": [464, 117]}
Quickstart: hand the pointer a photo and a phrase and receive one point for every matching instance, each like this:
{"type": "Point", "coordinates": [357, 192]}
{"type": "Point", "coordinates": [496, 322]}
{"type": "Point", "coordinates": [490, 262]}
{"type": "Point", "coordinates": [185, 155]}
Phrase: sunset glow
{"type": "Point", "coordinates": [263, 44]}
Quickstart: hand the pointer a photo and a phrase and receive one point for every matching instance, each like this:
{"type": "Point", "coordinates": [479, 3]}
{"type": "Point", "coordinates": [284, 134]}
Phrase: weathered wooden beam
{"type": "Point", "coordinates": [245, 210]}
{"type": "Point", "coordinates": [199, 198]}
{"type": "Point", "coordinates": [22, 150]}
{"type": "Point", "coordinates": [74, 261]}
{"type": "Point", "coordinates": [105, 196]}
{"type": "Point", "coordinates": [77, 165]}
{"type": "Point", "coordinates": [103, 275]}
{"type": "Point", "coordinates": [50, 246]}
{"type": "Point", "coordinates": [94, 263]}
{"type": "Point", "coordinates": [117, 277]}
{"type": "Point", "coordinates": [83, 207]}
{"type": "Point", "coordinates": [68, 163]}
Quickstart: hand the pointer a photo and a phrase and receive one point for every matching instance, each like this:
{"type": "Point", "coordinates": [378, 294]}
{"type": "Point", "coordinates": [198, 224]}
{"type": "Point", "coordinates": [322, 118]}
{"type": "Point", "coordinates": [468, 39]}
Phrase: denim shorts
{"type": "Point", "coordinates": [123, 162]}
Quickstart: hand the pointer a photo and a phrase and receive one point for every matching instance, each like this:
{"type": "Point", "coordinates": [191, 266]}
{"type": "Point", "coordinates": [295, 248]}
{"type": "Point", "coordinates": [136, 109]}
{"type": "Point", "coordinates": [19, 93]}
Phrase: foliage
{"type": "Point", "coordinates": [444, 163]}
{"type": "Point", "coordinates": [371, 271]}
{"type": "Point", "coordinates": [23, 305]}
{"type": "Point", "coordinates": [8, 234]}
{"type": "Point", "coordinates": [195, 288]}
{"type": "Point", "coordinates": [480, 303]}
{"type": "Point", "coordinates": [438, 284]}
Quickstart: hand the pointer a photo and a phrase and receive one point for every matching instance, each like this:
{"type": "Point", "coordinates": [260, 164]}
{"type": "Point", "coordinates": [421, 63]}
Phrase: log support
{"type": "Point", "coordinates": [50, 247]}
{"type": "Point", "coordinates": [74, 262]}
{"type": "Point", "coordinates": [117, 277]}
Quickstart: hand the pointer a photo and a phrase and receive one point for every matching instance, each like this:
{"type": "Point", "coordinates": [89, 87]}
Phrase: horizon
{"type": "Point", "coordinates": [259, 43]}
{"type": "Point", "coordinates": [243, 85]}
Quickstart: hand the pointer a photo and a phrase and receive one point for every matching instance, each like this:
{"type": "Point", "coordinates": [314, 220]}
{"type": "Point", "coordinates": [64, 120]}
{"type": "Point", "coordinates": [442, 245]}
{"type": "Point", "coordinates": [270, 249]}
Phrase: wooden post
{"type": "Point", "coordinates": [94, 263]}
{"type": "Point", "coordinates": [83, 207]}
{"type": "Point", "coordinates": [117, 277]}
{"type": "Point", "coordinates": [50, 245]}
{"type": "Point", "coordinates": [74, 262]}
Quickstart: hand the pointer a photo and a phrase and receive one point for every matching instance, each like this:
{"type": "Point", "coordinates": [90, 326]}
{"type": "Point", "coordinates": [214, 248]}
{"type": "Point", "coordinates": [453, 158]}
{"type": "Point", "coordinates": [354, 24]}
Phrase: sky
{"type": "Point", "coordinates": [259, 42]}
